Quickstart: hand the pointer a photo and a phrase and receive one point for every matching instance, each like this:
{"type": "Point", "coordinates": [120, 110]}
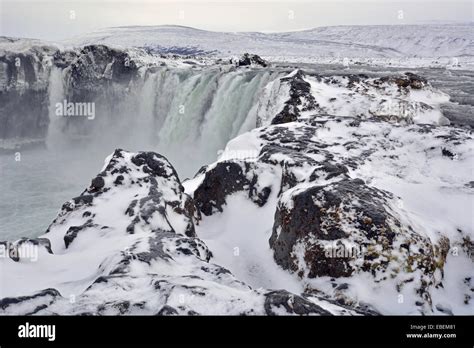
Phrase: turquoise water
{"type": "Point", "coordinates": [33, 189]}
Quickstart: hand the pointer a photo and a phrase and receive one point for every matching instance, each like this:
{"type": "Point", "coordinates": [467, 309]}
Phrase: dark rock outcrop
{"type": "Point", "coordinates": [251, 59]}
{"type": "Point", "coordinates": [24, 101]}
{"type": "Point", "coordinates": [329, 224]}
{"type": "Point", "coordinates": [281, 300]}
{"type": "Point", "coordinates": [94, 67]}
{"type": "Point", "coordinates": [227, 178]}
{"type": "Point", "coordinates": [25, 78]}
{"type": "Point", "coordinates": [158, 257]}
{"type": "Point", "coordinates": [300, 99]}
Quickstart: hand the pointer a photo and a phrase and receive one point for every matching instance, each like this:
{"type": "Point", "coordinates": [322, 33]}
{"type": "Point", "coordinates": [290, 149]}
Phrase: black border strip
{"type": "Point", "coordinates": [218, 330]}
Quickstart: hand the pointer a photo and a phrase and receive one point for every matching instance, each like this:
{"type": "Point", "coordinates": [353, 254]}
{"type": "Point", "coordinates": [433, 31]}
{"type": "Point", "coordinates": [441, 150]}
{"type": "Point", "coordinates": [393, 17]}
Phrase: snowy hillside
{"type": "Point", "coordinates": [394, 41]}
{"type": "Point", "coordinates": [409, 40]}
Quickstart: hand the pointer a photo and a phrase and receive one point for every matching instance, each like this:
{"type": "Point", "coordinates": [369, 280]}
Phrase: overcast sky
{"type": "Point", "coordinates": [61, 19]}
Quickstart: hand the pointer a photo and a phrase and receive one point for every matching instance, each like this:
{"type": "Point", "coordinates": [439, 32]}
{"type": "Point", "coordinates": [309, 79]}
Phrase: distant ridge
{"type": "Point", "coordinates": [374, 41]}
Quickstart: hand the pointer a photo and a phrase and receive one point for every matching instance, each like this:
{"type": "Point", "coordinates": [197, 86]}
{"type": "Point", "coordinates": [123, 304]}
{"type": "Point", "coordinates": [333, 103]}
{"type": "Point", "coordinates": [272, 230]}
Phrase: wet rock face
{"type": "Point", "coordinates": [224, 179]}
{"type": "Point", "coordinates": [23, 115]}
{"type": "Point", "coordinates": [19, 68]}
{"type": "Point", "coordinates": [25, 78]}
{"type": "Point", "coordinates": [94, 68]}
{"type": "Point", "coordinates": [24, 93]}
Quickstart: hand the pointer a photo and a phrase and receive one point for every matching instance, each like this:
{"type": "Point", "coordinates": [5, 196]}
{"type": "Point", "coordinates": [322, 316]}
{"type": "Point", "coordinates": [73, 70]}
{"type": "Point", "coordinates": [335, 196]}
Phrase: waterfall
{"type": "Point", "coordinates": [56, 95]}
{"type": "Point", "coordinates": [231, 112]}
{"type": "Point", "coordinates": [210, 108]}
{"type": "Point", "coordinates": [188, 115]}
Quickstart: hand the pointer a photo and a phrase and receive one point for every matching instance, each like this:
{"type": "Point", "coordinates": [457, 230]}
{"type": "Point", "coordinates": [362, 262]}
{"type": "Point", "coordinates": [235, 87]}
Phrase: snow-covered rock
{"type": "Point", "coordinates": [353, 197]}
{"type": "Point", "coordinates": [26, 72]}
{"type": "Point", "coordinates": [251, 60]}
{"type": "Point", "coordinates": [326, 209]}
{"type": "Point", "coordinates": [34, 76]}
{"type": "Point", "coordinates": [408, 98]}
{"type": "Point", "coordinates": [127, 245]}
{"type": "Point", "coordinates": [365, 212]}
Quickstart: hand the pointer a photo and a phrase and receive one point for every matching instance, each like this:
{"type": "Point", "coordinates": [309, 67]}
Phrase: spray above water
{"type": "Point", "coordinates": [185, 114]}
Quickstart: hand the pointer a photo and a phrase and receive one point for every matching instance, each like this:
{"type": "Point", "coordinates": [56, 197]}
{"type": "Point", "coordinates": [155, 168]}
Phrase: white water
{"type": "Point", "coordinates": [56, 95]}
{"type": "Point", "coordinates": [186, 115]}
{"type": "Point", "coordinates": [218, 105]}
{"type": "Point", "coordinates": [210, 109]}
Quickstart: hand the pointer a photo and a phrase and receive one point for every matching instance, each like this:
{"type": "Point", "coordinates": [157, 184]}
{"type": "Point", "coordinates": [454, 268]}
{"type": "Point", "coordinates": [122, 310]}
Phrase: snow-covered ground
{"type": "Point", "coordinates": [357, 95]}
{"type": "Point", "coordinates": [310, 158]}
{"type": "Point", "coordinates": [399, 45]}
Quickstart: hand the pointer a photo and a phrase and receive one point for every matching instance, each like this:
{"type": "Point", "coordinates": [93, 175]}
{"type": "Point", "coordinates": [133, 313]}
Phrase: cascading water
{"type": "Point", "coordinates": [210, 109]}
{"type": "Point", "coordinates": [56, 95]}
{"type": "Point", "coordinates": [185, 114]}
